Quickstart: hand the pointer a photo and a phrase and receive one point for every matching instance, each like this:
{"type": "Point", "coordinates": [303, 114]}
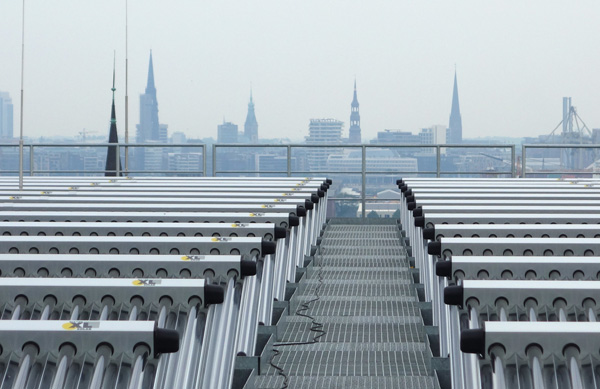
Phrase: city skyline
{"type": "Point", "coordinates": [515, 61]}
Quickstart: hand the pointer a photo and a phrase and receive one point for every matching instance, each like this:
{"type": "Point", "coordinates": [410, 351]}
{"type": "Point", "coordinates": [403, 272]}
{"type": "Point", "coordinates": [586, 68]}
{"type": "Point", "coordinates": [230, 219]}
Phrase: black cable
{"type": "Point", "coordinates": [315, 327]}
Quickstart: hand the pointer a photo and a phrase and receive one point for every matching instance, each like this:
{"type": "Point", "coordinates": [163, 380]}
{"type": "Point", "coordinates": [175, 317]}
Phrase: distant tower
{"type": "Point", "coordinates": [6, 116]}
{"type": "Point", "coordinates": [149, 127]}
{"type": "Point", "coordinates": [251, 125]}
{"type": "Point", "coordinates": [111, 155]}
{"type": "Point", "coordinates": [354, 131]}
{"type": "Point", "coordinates": [454, 134]}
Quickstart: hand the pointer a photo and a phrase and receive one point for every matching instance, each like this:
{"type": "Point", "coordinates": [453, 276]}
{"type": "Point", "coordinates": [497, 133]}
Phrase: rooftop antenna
{"type": "Point", "coordinates": [126, 90]}
{"type": "Point", "coordinates": [21, 124]}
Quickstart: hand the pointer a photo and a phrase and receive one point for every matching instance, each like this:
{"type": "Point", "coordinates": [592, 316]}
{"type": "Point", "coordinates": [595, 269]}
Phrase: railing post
{"type": "Point", "coordinates": [289, 160]}
{"type": "Point", "coordinates": [31, 160]}
{"type": "Point", "coordinates": [523, 159]}
{"type": "Point", "coordinates": [214, 160]}
{"type": "Point", "coordinates": [438, 161]}
{"type": "Point", "coordinates": [203, 160]}
{"type": "Point", "coordinates": [364, 180]}
{"type": "Point", "coordinates": [118, 157]}
{"type": "Point", "coordinates": [512, 161]}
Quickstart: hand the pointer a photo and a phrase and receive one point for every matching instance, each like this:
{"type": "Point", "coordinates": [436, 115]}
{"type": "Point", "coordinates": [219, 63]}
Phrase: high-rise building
{"type": "Point", "coordinates": [149, 128]}
{"type": "Point", "coordinates": [454, 134]}
{"type": "Point", "coordinates": [227, 133]}
{"type": "Point", "coordinates": [6, 116]}
{"type": "Point", "coordinates": [251, 125]}
{"type": "Point", "coordinates": [323, 131]}
{"type": "Point", "coordinates": [354, 132]}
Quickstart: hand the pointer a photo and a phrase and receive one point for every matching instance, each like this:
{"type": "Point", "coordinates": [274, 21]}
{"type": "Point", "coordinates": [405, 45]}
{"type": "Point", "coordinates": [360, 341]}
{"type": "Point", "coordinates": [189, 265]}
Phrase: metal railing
{"type": "Point", "coordinates": [563, 147]}
{"type": "Point", "coordinates": [364, 172]}
{"type": "Point", "coordinates": [120, 148]}
{"type": "Point", "coordinates": [287, 152]}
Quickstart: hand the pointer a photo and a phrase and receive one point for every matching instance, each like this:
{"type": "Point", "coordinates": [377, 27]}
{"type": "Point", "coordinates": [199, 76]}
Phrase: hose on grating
{"type": "Point", "coordinates": [316, 327]}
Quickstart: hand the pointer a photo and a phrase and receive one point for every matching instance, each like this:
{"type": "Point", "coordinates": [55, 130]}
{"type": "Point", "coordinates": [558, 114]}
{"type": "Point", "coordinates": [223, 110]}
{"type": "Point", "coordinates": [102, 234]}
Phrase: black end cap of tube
{"type": "Point", "coordinates": [409, 198]}
{"type": "Point", "coordinates": [268, 247]}
{"type": "Point", "coordinates": [420, 221]}
{"type": "Point", "coordinates": [429, 233]}
{"type": "Point", "coordinates": [294, 221]}
{"type": "Point", "coordinates": [454, 295]}
{"type": "Point", "coordinates": [313, 250]}
{"type": "Point", "coordinates": [473, 341]}
{"type": "Point", "coordinates": [417, 212]}
{"type": "Point", "coordinates": [434, 248]}
{"type": "Point", "coordinates": [314, 198]}
{"type": "Point", "coordinates": [443, 268]}
{"type": "Point", "coordinates": [165, 341]}
{"type": "Point", "coordinates": [408, 192]}
{"type": "Point", "coordinates": [324, 187]}
{"type": "Point", "coordinates": [308, 204]}
{"type": "Point", "coordinates": [319, 240]}
{"type": "Point", "coordinates": [399, 181]}
{"type": "Point", "coordinates": [403, 188]}
{"type": "Point", "coordinates": [247, 268]}
{"type": "Point", "coordinates": [329, 181]}
{"type": "Point", "coordinates": [280, 232]}
{"type": "Point", "coordinates": [321, 193]}
{"type": "Point", "coordinates": [213, 294]}
{"type": "Point", "coordinates": [300, 211]}
{"type": "Point", "coordinates": [411, 206]}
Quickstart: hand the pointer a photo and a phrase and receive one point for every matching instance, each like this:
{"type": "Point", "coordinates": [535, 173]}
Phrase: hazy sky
{"type": "Point", "coordinates": [515, 61]}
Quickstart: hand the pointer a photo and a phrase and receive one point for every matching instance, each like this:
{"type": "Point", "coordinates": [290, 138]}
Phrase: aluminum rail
{"type": "Point", "coordinates": [518, 268]}
{"type": "Point", "coordinates": [523, 294]}
{"type": "Point", "coordinates": [120, 291]}
{"type": "Point", "coordinates": [215, 267]}
{"type": "Point", "coordinates": [150, 207]}
{"type": "Point", "coordinates": [86, 336]}
{"type": "Point", "coordinates": [517, 337]}
{"type": "Point", "coordinates": [436, 219]}
{"type": "Point", "coordinates": [265, 230]}
{"type": "Point", "coordinates": [281, 219]}
{"type": "Point", "coordinates": [508, 231]}
{"type": "Point", "coordinates": [515, 246]}
{"type": "Point", "coordinates": [135, 245]}
{"type": "Point", "coordinates": [218, 192]}
{"type": "Point", "coordinates": [500, 195]}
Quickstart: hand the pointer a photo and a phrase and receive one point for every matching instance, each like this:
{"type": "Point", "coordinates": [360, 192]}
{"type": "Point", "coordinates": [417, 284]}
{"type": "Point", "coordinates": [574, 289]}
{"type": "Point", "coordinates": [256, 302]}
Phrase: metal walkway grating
{"type": "Point", "coordinates": [374, 334]}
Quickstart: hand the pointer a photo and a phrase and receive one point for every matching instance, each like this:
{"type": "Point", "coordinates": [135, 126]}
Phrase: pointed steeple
{"type": "Point", "coordinates": [454, 134]}
{"type": "Point", "coordinates": [111, 155]}
{"type": "Point", "coordinates": [150, 88]}
{"type": "Point", "coordinates": [149, 128]}
{"type": "Point", "coordinates": [354, 135]}
{"type": "Point", "coordinates": [251, 125]}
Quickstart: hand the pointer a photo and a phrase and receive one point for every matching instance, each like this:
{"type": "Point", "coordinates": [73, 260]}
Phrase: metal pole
{"type": "Point", "coordinates": [438, 160]}
{"type": "Point", "coordinates": [289, 161]}
{"type": "Point", "coordinates": [118, 157]}
{"type": "Point", "coordinates": [204, 160]}
{"type": "Point", "coordinates": [31, 160]}
{"type": "Point", "coordinates": [364, 179]}
{"type": "Point", "coordinates": [512, 161]}
{"type": "Point", "coordinates": [126, 89]}
{"type": "Point", "coordinates": [523, 159]}
{"type": "Point", "coordinates": [21, 124]}
{"type": "Point", "coordinates": [214, 160]}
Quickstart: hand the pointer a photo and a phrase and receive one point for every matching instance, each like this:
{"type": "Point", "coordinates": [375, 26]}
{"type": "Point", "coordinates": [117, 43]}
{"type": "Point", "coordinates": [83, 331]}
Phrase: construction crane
{"type": "Point", "coordinates": [574, 131]}
{"type": "Point", "coordinates": [84, 132]}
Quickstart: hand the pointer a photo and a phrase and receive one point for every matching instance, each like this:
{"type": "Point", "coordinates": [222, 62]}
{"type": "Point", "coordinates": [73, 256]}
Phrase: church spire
{"type": "Point", "coordinates": [354, 132]}
{"type": "Point", "coordinates": [455, 126]}
{"type": "Point", "coordinates": [150, 88]}
{"type": "Point", "coordinates": [111, 155]}
{"type": "Point", "coordinates": [251, 125]}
